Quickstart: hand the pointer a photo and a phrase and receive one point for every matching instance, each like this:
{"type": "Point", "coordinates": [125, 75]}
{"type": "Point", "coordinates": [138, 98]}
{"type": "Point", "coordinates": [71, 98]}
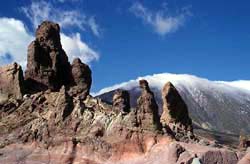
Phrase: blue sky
{"type": "Point", "coordinates": [124, 39]}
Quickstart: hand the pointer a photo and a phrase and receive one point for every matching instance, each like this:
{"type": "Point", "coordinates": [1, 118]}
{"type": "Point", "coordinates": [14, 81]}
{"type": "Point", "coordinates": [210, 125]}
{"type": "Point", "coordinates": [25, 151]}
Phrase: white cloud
{"type": "Point", "coordinates": [94, 26]}
{"type": "Point", "coordinates": [161, 22]}
{"type": "Point", "coordinates": [39, 11]}
{"type": "Point", "coordinates": [75, 47]}
{"type": "Point", "coordinates": [63, 1]}
{"type": "Point", "coordinates": [243, 84]}
{"type": "Point", "coordinates": [15, 38]}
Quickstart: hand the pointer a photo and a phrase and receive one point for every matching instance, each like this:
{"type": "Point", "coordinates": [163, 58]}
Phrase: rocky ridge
{"type": "Point", "coordinates": [55, 120]}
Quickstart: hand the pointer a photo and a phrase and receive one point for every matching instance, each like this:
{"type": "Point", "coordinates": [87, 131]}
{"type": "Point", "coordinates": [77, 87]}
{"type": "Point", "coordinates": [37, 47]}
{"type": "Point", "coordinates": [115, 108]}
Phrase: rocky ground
{"type": "Point", "coordinates": [55, 120]}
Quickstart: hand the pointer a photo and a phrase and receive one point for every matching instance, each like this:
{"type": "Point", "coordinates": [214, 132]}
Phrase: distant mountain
{"type": "Point", "coordinates": [213, 105]}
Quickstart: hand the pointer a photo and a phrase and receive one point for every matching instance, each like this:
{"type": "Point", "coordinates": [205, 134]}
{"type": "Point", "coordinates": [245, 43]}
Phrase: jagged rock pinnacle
{"type": "Point", "coordinates": [47, 66]}
{"type": "Point", "coordinates": [175, 111]}
{"type": "Point", "coordinates": [81, 75]}
{"type": "Point", "coordinates": [147, 109]}
{"type": "Point", "coordinates": [121, 102]}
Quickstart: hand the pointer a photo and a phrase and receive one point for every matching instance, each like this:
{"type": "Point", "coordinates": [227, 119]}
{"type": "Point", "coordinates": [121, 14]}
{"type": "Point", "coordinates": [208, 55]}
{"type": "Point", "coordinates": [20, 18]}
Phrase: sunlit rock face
{"type": "Point", "coordinates": [11, 82]}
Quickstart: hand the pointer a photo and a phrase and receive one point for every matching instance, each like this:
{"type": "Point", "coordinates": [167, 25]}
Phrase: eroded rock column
{"type": "Point", "coordinates": [175, 112]}
{"type": "Point", "coordinates": [121, 102]}
{"type": "Point", "coordinates": [47, 66]}
{"type": "Point", "coordinates": [147, 109]}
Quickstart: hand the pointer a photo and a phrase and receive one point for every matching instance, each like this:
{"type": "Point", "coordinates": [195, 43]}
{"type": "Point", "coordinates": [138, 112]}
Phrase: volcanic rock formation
{"type": "Point", "coordinates": [175, 111]}
{"type": "Point", "coordinates": [81, 74]}
{"type": "Point", "coordinates": [11, 82]}
{"type": "Point", "coordinates": [47, 66]}
{"type": "Point", "coordinates": [81, 78]}
{"type": "Point", "coordinates": [147, 108]}
{"type": "Point", "coordinates": [121, 102]}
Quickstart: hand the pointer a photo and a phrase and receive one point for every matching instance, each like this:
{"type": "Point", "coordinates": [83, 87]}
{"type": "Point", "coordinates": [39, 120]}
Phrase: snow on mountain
{"type": "Point", "coordinates": [214, 105]}
{"type": "Point", "coordinates": [158, 80]}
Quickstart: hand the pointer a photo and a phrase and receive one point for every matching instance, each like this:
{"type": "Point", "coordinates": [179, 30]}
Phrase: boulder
{"type": "Point", "coordinates": [147, 109]}
{"type": "Point", "coordinates": [11, 81]}
{"type": "Point", "coordinates": [175, 111]}
{"type": "Point", "coordinates": [47, 66]}
{"type": "Point", "coordinates": [121, 102]}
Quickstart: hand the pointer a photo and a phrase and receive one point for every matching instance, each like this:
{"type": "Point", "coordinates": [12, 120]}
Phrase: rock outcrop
{"type": "Point", "coordinates": [121, 102]}
{"type": "Point", "coordinates": [81, 74]}
{"type": "Point", "coordinates": [57, 121]}
{"type": "Point", "coordinates": [11, 82]}
{"type": "Point", "coordinates": [147, 108]}
{"type": "Point", "coordinates": [47, 66]}
{"type": "Point", "coordinates": [175, 112]}
{"type": "Point", "coordinates": [81, 78]}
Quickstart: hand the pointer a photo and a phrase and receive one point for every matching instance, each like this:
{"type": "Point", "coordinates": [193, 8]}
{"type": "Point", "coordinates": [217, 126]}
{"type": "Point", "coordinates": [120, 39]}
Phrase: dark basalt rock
{"type": "Point", "coordinates": [147, 109]}
{"type": "Point", "coordinates": [175, 111]}
{"type": "Point", "coordinates": [47, 66]}
{"type": "Point", "coordinates": [121, 102]}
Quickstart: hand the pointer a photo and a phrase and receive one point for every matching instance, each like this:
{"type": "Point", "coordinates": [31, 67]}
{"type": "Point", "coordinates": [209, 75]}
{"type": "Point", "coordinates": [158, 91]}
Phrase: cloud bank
{"type": "Point", "coordinates": [75, 47]}
{"type": "Point", "coordinates": [160, 21]}
{"type": "Point", "coordinates": [14, 40]}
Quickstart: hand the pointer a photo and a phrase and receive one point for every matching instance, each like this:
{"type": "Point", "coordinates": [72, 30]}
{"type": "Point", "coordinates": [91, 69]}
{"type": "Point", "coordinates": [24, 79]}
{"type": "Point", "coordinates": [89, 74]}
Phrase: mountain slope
{"type": "Point", "coordinates": [213, 105]}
